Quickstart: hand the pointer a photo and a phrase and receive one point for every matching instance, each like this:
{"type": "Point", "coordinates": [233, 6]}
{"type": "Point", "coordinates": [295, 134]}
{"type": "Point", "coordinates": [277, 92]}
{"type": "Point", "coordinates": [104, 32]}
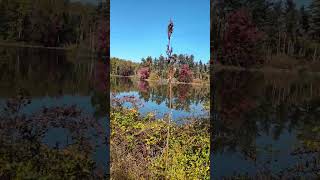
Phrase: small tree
{"type": "Point", "coordinates": [241, 40]}
{"type": "Point", "coordinates": [185, 74]}
{"type": "Point", "coordinates": [144, 73]}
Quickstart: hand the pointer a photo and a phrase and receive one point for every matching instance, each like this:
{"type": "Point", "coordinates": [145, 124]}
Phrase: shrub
{"type": "Point", "coordinates": [153, 76]}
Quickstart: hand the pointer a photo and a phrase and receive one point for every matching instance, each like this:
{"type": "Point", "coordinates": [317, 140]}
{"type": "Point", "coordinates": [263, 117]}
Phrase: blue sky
{"type": "Point", "coordinates": [139, 28]}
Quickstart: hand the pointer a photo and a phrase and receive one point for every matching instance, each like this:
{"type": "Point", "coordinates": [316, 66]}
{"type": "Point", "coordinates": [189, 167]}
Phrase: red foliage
{"type": "Point", "coordinates": [185, 74]}
{"type": "Point", "coordinates": [144, 73]}
{"type": "Point", "coordinates": [236, 100]}
{"type": "Point", "coordinates": [183, 92]}
{"type": "Point", "coordinates": [241, 39]}
{"type": "Point", "coordinates": [143, 86]}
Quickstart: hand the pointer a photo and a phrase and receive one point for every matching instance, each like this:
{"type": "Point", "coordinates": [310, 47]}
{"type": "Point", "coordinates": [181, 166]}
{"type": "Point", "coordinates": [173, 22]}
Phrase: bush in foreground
{"type": "Point", "coordinates": [139, 147]}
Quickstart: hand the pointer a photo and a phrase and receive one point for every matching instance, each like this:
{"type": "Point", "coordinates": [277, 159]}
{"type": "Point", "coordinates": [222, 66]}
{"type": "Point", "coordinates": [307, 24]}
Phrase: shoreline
{"type": "Point", "coordinates": [266, 69]}
{"type": "Point", "coordinates": [162, 81]}
{"type": "Point", "coordinates": [16, 44]}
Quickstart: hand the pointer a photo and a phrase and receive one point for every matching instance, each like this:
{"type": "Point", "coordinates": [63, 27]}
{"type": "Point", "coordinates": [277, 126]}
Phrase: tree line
{"type": "Point", "coordinates": [157, 68]}
{"type": "Point", "coordinates": [55, 23]}
{"type": "Point", "coordinates": [250, 32]}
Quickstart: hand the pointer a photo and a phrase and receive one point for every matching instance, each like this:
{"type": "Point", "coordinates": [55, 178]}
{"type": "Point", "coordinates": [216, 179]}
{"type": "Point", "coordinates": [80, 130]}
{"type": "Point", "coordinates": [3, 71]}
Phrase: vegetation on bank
{"type": "Point", "coordinates": [156, 69]}
{"type": "Point", "coordinates": [150, 148]}
{"type": "Point", "coordinates": [263, 33]}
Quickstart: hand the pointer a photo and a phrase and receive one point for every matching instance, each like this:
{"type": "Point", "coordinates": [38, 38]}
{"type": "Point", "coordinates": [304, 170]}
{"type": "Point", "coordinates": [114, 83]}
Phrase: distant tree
{"type": "Point", "coordinates": [315, 18]}
{"type": "Point", "coordinates": [149, 61]}
{"type": "Point", "coordinates": [304, 20]}
{"type": "Point", "coordinates": [291, 19]}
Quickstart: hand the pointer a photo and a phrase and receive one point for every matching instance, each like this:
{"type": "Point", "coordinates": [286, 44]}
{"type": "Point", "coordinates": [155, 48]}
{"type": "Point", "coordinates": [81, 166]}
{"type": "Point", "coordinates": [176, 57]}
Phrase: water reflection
{"type": "Point", "coordinates": [266, 125]}
{"type": "Point", "coordinates": [187, 100]}
{"type": "Point", "coordinates": [53, 115]}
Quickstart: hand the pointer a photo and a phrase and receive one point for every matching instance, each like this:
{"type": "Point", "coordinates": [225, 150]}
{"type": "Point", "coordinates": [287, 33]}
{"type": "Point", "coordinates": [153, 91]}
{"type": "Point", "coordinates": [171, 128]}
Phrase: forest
{"type": "Point", "coordinates": [255, 33]}
{"type": "Point", "coordinates": [59, 23]}
{"type": "Point", "coordinates": [191, 70]}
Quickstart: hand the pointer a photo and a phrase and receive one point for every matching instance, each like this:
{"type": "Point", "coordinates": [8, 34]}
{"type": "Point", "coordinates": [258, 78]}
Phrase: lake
{"type": "Point", "coordinates": [187, 100]}
{"type": "Point", "coordinates": [153, 146]}
{"type": "Point", "coordinates": [56, 101]}
{"type": "Point", "coordinates": [265, 124]}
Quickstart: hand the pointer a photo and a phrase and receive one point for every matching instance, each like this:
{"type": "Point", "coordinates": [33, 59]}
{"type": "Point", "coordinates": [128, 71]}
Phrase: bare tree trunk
{"type": "Point", "coordinates": [314, 54]}
{"type": "Point", "coordinates": [279, 44]}
{"type": "Point", "coordinates": [288, 48]}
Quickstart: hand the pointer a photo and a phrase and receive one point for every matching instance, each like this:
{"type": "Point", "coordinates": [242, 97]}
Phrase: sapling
{"type": "Point", "coordinates": [171, 60]}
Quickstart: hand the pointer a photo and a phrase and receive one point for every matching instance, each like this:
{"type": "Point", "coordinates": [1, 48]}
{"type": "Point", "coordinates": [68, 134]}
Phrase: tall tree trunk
{"type": "Point", "coordinates": [314, 54]}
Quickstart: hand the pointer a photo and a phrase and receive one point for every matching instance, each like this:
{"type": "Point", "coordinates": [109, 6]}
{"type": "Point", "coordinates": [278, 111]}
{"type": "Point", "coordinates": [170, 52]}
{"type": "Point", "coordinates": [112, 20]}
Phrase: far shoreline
{"type": "Point", "coordinates": [162, 81]}
{"type": "Point", "coordinates": [264, 69]}
{"type": "Point", "coordinates": [27, 45]}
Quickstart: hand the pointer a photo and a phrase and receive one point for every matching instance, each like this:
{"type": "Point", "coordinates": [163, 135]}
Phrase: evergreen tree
{"type": "Point", "coordinates": [304, 21]}
{"type": "Point", "coordinates": [315, 19]}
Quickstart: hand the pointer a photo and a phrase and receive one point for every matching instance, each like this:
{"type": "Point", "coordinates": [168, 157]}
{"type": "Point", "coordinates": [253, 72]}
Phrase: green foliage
{"type": "Point", "coordinates": [54, 164]}
{"type": "Point", "coordinates": [154, 76]}
{"type": "Point", "coordinates": [18, 162]}
{"type": "Point", "coordinates": [123, 67]}
{"type": "Point", "coordinates": [50, 23]}
{"type": "Point", "coordinates": [188, 154]}
{"type": "Point", "coordinates": [141, 142]}
{"type": "Point", "coordinates": [159, 67]}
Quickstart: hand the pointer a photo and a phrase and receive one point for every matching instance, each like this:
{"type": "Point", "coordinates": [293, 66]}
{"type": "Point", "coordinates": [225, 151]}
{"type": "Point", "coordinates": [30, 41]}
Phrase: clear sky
{"type": "Point", "coordinates": [139, 28]}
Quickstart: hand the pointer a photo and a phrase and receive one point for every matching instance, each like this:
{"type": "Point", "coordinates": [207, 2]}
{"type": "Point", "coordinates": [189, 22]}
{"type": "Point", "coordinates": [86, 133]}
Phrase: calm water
{"type": "Point", "coordinates": [265, 124]}
{"type": "Point", "coordinates": [67, 99]}
{"type": "Point", "coordinates": [188, 101]}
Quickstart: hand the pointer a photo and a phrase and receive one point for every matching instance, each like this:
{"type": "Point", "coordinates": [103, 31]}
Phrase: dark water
{"type": "Point", "coordinates": [188, 101]}
{"type": "Point", "coordinates": [265, 124]}
{"type": "Point", "coordinates": [66, 109]}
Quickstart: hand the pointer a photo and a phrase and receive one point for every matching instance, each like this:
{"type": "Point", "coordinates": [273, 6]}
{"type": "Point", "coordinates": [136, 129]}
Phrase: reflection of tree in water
{"type": "Point", "coordinates": [143, 86]}
{"type": "Point", "coordinates": [183, 94]}
{"type": "Point", "coordinates": [121, 84]}
{"type": "Point", "coordinates": [26, 67]}
{"type": "Point", "coordinates": [99, 97]}
{"type": "Point", "coordinates": [235, 96]}
{"type": "Point", "coordinates": [51, 73]}
{"type": "Point", "coordinates": [248, 106]}
{"type": "Point", "coordinates": [22, 150]}
{"type": "Point", "coordinates": [144, 93]}
{"type": "Point", "coordinates": [182, 100]}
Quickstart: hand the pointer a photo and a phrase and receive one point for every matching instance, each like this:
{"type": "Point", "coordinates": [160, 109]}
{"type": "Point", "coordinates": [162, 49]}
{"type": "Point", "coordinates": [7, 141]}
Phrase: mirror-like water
{"type": "Point", "coordinates": [265, 124]}
{"type": "Point", "coordinates": [65, 110]}
{"type": "Point", "coordinates": [188, 100]}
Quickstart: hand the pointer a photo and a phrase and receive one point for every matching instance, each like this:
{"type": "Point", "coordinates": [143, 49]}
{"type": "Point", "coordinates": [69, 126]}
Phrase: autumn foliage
{"type": "Point", "coordinates": [185, 74]}
{"type": "Point", "coordinates": [241, 40]}
{"type": "Point", "coordinates": [144, 73]}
